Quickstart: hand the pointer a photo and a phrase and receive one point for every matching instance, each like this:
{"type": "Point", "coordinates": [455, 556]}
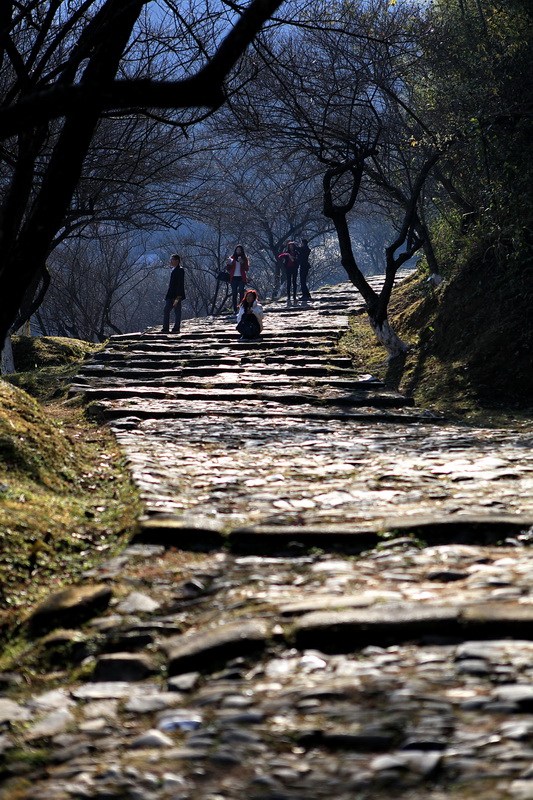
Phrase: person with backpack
{"type": "Point", "coordinates": [250, 316]}
{"type": "Point", "coordinates": [237, 267]}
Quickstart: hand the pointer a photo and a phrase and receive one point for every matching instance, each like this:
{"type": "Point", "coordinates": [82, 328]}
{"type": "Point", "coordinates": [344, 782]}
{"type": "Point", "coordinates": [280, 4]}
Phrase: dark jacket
{"type": "Point", "coordinates": [176, 287]}
{"type": "Point", "coordinates": [303, 255]}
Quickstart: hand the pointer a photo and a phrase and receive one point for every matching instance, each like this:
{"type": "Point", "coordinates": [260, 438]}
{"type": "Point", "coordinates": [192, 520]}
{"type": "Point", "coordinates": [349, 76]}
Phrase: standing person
{"type": "Point", "coordinates": [174, 295]}
{"type": "Point", "coordinates": [290, 262]}
{"type": "Point", "coordinates": [250, 316]}
{"type": "Point", "coordinates": [238, 266]}
{"type": "Point", "coordinates": [303, 262]}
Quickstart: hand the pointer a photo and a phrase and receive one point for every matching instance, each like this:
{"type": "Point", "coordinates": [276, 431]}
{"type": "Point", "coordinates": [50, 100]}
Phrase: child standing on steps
{"type": "Point", "coordinates": [250, 316]}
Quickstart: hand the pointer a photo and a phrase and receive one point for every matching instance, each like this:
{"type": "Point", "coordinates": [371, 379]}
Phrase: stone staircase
{"type": "Point", "coordinates": [330, 594]}
{"type": "Point", "coordinates": [207, 370]}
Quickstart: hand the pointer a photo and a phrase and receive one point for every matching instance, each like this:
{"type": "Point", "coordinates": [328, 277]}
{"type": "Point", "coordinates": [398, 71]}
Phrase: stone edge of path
{"type": "Point", "coordinates": [111, 413]}
{"type": "Point", "coordinates": [393, 623]}
{"type": "Point", "coordinates": [349, 630]}
{"type": "Point", "coordinates": [171, 531]}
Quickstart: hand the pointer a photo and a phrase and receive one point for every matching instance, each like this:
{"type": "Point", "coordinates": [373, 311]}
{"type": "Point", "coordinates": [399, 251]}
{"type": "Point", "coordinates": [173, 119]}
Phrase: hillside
{"type": "Point", "coordinates": [65, 498]}
{"type": "Point", "coordinates": [470, 339]}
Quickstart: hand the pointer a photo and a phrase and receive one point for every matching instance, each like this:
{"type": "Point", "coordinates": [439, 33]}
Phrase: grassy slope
{"type": "Point", "coordinates": [470, 342]}
{"type": "Point", "coordinates": [66, 499]}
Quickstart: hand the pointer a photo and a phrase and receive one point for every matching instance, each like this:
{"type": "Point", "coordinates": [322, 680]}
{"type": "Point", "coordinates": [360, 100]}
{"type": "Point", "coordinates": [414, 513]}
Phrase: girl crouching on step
{"type": "Point", "coordinates": [250, 317]}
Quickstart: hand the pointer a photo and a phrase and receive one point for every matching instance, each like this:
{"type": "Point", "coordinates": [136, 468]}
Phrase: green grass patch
{"type": "Point", "coordinates": [66, 498]}
{"type": "Point", "coordinates": [468, 357]}
{"type": "Point", "coordinates": [46, 365]}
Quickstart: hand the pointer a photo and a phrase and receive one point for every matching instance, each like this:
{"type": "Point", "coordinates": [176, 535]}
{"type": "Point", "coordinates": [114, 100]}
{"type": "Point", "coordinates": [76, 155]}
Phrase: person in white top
{"type": "Point", "coordinates": [237, 267]}
{"type": "Point", "coordinates": [250, 316]}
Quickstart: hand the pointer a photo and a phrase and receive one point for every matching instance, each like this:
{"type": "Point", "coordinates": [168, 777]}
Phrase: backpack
{"type": "Point", "coordinates": [249, 326]}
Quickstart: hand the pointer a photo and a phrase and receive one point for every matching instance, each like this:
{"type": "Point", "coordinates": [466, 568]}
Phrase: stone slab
{"type": "Point", "coordinates": [206, 649]}
{"type": "Point", "coordinates": [201, 534]}
{"type": "Point", "coordinates": [460, 529]}
{"type": "Point", "coordinates": [174, 412]}
{"type": "Point", "coordinates": [385, 624]}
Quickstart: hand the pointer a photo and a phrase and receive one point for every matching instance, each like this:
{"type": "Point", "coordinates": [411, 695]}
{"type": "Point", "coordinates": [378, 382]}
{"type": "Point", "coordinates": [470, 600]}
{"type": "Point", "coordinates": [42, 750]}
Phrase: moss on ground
{"type": "Point", "coordinates": [66, 499]}
{"type": "Point", "coordinates": [46, 365]}
{"type": "Point", "coordinates": [468, 354]}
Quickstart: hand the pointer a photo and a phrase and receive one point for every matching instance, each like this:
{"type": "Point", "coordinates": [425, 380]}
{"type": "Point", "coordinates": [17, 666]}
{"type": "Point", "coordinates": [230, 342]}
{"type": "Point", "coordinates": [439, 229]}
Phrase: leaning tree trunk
{"type": "Point", "coordinates": [376, 304]}
{"type": "Point", "coordinates": [387, 337]}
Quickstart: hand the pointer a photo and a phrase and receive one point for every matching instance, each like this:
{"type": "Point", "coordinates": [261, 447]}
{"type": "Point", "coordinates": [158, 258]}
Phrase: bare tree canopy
{"type": "Point", "coordinates": [65, 66]}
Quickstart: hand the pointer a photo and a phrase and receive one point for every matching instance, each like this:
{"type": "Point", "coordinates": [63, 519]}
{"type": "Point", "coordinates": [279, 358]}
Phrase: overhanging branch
{"type": "Point", "coordinates": [205, 89]}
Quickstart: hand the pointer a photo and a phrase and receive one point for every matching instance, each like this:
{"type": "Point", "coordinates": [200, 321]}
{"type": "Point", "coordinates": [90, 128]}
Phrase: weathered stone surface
{"type": "Point", "coordinates": [54, 699]}
{"type": "Point", "coordinates": [73, 605]}
{"type": "Point", "coordinates": [405, 672]}
{"type": "Point", "coordinates": [137, 602]}
{"type": "Point", "coordinates": [184, 682]}
{"type": "Point", "coordinates": [500, 619]}
{"type": "Point", "coordinates": [343, 631]}
{"type": "Point", "coordinates": [10, 710]}
{"type": "Point", "coordinates": [147, 704]}
{"type": "Point", "coordinates": [152, 739]}
{"type": "Point", "coordinates": [124, 667]}
{"type": "Point", "coordinates": [54, 723]}
{"type": "Point", "coordinates": [204, 650]}
{"type": "Point", "coordinates": [327, 602]}
{"type": "Point", "coordinates": [199, 532]}
{"type": "Point", "coordinates": [110, 690]}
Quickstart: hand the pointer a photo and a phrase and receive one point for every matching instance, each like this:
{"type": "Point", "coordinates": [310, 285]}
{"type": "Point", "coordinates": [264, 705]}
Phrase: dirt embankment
{"type": "Point", "coordinates": [66, 499]}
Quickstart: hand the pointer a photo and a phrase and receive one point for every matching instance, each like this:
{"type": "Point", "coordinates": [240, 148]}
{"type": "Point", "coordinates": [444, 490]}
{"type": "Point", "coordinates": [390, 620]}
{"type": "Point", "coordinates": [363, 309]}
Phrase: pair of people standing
{"type": "Point", "coordinates": [293, 259]}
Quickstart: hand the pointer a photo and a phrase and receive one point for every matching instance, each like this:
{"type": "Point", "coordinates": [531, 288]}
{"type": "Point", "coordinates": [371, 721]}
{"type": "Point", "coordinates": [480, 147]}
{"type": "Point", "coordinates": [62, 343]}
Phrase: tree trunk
{"type": "Point", "coordinates": [387, 337]}
{"type": "Point", "coordinates": [24, 256]}
{"type": "Point", "coordinates": [25, 329]}
{"type": "Point", "coordinates": [8, 365]}
{"type": "Point", "coordinates": [376, 304]}
{"type": "Point", "coordinates": [348, 259]}
{"type": "Point", "coordinates": [279, 281]}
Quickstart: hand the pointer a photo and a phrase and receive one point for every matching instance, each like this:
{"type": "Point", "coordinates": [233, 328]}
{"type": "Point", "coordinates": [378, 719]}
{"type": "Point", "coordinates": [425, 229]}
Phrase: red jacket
{"type": "Point", "coordinates": [244, 270]}
{"type": "Point", "coordinates": [289, 259]}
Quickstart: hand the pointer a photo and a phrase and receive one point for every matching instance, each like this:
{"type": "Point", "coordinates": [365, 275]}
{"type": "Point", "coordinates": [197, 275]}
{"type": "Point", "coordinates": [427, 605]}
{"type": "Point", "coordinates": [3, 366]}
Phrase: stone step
{"type": "Point", "coordinates": [187, 372]}
{"type": "Point", "coordinates": [222, 364]}
{"type": "Point", "coordinates": [248, 393]}
{"type": "Point", "coordinates": [163, 361]}
{"type": "Point", "coordinates": [393, 623]}
{"type": "Point", "coordinates": [227, 382]}
{"type": "Point", "coordinates": [166, 409]}
{"type": "Point", "coordinates": [338, 308]}
{"type": "Point", "coordinates": [234, 347]}
{"type": "Point", "coordinates": [469, 529]}
{"type": "Point", "coordinates": [304, 331]}
{"type": "Point", "coordinates": [282, 338]}
{"type": "Point", "coordinates": [218, 351]}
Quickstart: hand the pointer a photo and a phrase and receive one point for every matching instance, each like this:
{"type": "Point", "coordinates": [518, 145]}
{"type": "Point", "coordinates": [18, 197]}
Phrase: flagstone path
{"type": "Point", "coordinates": [330, 594]}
